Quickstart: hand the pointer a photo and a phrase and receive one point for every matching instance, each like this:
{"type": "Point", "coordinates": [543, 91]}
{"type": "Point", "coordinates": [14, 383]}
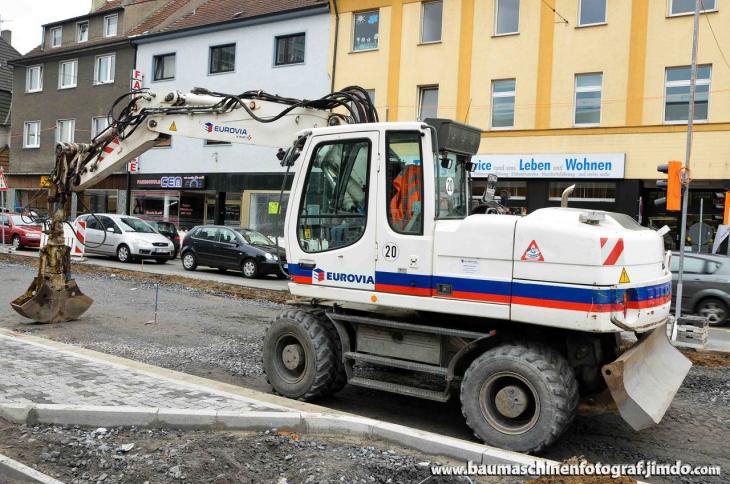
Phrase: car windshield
{"type": "Point", "coordinates": [136, 225]}
{"type": "Point", "coordinates": [255, 238]}
{"type": "Point", "coordinates": [166, 227]}
{"type": "Point", "coordinates": [23, 220]}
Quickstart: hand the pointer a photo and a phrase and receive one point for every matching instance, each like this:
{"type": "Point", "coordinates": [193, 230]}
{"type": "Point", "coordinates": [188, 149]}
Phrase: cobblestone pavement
{"type": "Point", "coordinates": [31, 373]}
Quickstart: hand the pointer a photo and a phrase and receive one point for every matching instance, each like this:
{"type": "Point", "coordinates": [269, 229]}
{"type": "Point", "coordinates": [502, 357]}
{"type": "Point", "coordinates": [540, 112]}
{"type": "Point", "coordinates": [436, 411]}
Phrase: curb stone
{"type": "Point", "coordinates": [13, 472]}
{"type": "Point", "coordinates": [302, 422]}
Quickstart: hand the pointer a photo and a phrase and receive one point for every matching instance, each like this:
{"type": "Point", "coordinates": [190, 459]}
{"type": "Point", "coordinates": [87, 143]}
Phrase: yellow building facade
{"type": "Point", "coordinates": [604, 82]}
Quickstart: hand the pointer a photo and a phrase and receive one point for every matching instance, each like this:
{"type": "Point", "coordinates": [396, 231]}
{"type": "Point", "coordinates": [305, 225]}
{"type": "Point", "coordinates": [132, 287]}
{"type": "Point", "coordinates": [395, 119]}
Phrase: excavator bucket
{"type": "Point", "coordinates": [53, 297]}
{"type": "Point", "coordinates": [645, 378]}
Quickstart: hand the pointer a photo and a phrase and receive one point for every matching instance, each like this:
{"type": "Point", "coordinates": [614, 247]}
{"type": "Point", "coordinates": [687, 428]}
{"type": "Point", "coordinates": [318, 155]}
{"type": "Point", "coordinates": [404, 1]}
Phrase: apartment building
{"type": "Point", "coordinates": [6, 94]}
{"type": "Point", "coordinates": [591, 92]}
{"type": "Point", "coordinates": [230, 46]}
{"type": "Point", "coordinates": [63, 90]}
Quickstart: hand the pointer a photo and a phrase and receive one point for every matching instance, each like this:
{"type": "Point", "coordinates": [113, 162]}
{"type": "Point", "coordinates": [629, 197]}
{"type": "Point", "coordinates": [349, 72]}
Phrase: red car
{"type": "Point", "coordinates": [20, 230]}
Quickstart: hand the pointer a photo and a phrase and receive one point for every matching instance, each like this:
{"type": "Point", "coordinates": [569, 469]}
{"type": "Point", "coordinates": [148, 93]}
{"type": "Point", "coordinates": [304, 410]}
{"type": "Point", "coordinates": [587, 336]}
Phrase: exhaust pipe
{"type": "Point", "coordinates": [566, 193]}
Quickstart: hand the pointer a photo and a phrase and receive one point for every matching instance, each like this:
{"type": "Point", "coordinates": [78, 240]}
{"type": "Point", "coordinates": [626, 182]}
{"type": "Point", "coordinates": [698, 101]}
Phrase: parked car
{"type": "Point", "coordinates": [125, 237]}
{"type": "Point", "coordinates": [224, 248]}
{"type": "Point", "coordinates": [705, 287]}
{"type": "Point", "coordinates": [169, 230]}
{"type": "Point", "coordinates": [20, 230]}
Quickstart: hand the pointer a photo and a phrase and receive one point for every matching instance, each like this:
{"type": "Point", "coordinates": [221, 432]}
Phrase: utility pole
{"type": "Point", "coordinates": [686, 170]}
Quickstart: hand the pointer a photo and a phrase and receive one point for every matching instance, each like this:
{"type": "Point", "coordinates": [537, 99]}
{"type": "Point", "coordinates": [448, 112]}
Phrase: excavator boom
{"type": "Point", "coordinates": [252, 118]}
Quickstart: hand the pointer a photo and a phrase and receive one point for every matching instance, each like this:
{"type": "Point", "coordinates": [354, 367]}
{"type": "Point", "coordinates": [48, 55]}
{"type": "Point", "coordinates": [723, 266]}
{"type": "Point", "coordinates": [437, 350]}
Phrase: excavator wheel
{"type": "Point", "coordinates": [299, 356]}
{"type": "Point", "coordinates": [519, 396]}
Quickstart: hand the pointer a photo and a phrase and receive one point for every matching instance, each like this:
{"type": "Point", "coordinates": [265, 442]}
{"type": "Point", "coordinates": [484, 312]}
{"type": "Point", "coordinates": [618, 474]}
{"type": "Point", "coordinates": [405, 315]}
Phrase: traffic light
{"type": "Point", "coordinates": [722, 202]}
{"type": "Point", "coordinates": [673, 184]}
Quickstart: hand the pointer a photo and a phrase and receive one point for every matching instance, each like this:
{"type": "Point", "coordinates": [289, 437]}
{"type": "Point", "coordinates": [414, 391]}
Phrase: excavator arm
{"type": "Point", "coordinates": [252, 118]}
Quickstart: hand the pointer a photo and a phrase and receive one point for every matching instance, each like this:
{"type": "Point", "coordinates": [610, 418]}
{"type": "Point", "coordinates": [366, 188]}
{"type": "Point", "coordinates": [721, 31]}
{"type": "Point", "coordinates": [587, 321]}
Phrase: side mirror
{"type": "Point", "coordinates": [446, 162]}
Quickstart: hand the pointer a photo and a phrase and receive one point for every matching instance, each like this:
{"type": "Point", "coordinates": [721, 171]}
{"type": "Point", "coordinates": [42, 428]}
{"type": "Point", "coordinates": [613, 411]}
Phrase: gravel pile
{"type": "Point", "coordinates": [79, 455]}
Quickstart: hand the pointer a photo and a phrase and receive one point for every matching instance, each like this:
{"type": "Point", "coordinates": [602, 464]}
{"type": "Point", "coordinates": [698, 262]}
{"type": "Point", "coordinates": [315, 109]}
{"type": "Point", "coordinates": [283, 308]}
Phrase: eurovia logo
{"type": "Point", "coordinates": [319, 276]}
{"type": "Point", "coordinates": [241, 133]}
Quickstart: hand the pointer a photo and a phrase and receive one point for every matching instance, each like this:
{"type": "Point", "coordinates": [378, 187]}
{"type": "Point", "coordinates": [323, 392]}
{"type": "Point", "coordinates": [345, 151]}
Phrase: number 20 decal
{"type": "Point", "coordinates": [390, 252]}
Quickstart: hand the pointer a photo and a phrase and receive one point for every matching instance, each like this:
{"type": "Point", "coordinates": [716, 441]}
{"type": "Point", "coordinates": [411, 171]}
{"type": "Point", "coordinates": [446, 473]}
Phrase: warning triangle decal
{"type": "Point", "coordinates": [173, 126]}
{"type": "Point", "coordinates": [533, 253]}
{"type": "Point", "coordinates": [624, 279]}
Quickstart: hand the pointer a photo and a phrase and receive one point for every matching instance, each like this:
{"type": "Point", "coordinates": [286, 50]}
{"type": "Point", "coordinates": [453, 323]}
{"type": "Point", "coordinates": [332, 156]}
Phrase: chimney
{"type": "Point", "coordinates": [7, 36]}
{"type": "Point", "coordinates": [97, 4]}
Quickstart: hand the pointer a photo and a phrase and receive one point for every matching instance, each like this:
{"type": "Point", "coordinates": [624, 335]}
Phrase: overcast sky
{"type": "Point", "coordinates": [25, 18]}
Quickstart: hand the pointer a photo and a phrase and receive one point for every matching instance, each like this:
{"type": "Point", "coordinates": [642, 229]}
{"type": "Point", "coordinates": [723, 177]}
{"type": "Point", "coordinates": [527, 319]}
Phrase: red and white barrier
{"type": "Point", "coordinates": [73, 237]}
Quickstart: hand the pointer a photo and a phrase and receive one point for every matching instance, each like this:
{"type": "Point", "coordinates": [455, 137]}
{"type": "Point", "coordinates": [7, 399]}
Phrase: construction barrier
{"type": "Point", "coordinates": [74, 237]}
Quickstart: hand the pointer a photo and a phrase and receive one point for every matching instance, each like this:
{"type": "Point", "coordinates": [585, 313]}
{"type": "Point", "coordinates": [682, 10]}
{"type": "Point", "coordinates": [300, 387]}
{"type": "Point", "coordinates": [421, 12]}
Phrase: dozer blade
{"type": "Point", "coordinates": [52, 301]}
{"type": "Point", "coordinates": [645, 378]}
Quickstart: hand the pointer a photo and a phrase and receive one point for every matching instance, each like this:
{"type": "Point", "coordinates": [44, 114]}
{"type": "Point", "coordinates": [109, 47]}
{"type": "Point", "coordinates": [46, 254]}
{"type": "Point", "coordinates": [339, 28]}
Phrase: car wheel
{"type": "Point", "coordinates": [189, 261]}
{"type": "Point", "coordinates": [250, 269]}
{"type": "Point", "coordinates": [714, 310]}
{"type": "Point", "coordinates": [124, 254]}
{"type": "Point", "coordinates": [16, 242]}
{"type": "Point", "coordinates": [519, 396]}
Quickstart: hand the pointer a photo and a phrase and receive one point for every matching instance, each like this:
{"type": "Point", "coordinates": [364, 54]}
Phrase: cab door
{"type": "Point", "coordinates": [404, 264]}
{"type": "Point", "coordinates": [332, 241]}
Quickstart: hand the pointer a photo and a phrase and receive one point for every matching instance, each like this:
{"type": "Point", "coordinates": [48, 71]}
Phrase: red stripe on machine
{"type": "Point", "coordinates": [571, 306]}
{"type": "Point", "coordinates": [409, 291]}
{"type": "Point", "coordinates": [616, 252]}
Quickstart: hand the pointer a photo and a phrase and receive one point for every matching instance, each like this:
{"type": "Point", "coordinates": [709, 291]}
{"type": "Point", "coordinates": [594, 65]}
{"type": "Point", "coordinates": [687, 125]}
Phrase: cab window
{"type": "Point", "coordinates": [333, 212]}
{"type": "Point", "coordinates": [451, 186]}
{"type": "Point", "coordinates": [404, 182]}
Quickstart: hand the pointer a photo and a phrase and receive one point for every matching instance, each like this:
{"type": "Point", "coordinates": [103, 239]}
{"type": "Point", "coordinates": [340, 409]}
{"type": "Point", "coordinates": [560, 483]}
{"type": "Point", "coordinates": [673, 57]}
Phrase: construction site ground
{"type": "Point", "coordinates": [214, 330]}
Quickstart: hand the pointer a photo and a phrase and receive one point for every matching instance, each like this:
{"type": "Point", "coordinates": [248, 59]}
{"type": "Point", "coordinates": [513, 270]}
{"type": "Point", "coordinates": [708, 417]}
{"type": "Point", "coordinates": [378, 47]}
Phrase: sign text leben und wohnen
{"type": "Point", "coordinates": [551, 165]}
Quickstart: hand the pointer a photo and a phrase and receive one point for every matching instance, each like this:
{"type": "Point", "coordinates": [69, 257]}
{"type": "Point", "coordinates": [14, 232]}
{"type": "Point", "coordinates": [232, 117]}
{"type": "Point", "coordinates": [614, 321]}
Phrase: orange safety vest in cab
{"type": "Point", "coordinates": [406, 202]}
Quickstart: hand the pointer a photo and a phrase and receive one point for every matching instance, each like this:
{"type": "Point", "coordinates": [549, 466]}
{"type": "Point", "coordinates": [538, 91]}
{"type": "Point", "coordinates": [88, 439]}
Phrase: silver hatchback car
{"type": "Point", "coordinates": [125, 237]}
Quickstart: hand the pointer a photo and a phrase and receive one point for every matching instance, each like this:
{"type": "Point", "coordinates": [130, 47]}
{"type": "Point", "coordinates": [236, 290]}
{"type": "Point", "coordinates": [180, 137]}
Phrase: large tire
{"type": "Point", "coordinates": [340, 375]}
{"type": "Point", "coordinates": [714, 309]}
{"type": "Point", "coordinates": [519, 396]}
{"type": "Point", "coordinates": [299, 357]}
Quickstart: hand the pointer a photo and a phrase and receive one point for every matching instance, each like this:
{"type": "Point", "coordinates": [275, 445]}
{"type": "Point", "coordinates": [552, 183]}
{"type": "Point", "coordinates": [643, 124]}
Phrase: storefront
{"type": "Point", "coordinates": [188, 200]}
{"type": "Point", "coordinates": [531, 181]}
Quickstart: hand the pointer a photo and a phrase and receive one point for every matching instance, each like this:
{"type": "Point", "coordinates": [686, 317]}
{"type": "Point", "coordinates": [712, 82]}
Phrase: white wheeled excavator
{"type": "Point", "coordinates": [518, 315]}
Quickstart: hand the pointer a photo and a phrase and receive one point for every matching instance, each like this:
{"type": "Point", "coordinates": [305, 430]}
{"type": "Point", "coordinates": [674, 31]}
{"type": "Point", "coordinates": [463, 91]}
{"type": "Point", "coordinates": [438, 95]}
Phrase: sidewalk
{"type": "Point", "coordinates": [46, 382]}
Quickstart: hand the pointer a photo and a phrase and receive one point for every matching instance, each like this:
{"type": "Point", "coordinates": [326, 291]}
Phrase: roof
{"type": "Point", "coordinates": [7, 52]}
{"type": "Point", "coordinates": [158, 17]}
{"type": "Point", "coordinates": [222, 11]}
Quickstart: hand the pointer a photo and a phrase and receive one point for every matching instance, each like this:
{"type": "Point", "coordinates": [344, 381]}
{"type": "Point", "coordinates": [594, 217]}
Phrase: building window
{"type": "Point", "coordinates": [82, 31]}
{"type": "Point", "coordinates": [34, 79]}
{"type": "Point", "coordinates": [104, 69]}
{"type": "Point", "coordinates": [289, 49]}
{"type": "Point", "coordinates": [110, 25]}
{"type": "Point", "coordinates": [404, 182]}
{"type": "Point", "coordinates": [163, 67]}
{"type": "Point", "coordinates": [65, 129]}
{"type": "Point", "coordinates": [222, 58]}
{"type": "Point", "coordinates": [591, 12]}
{"type": "Point", "coordinates": [507, 17]}
{"type": "Point", "coordinates": [428, 102]}
{"type": "Point", "coordinates": [365, 30]}
{"type": "Point", "coordinates": [503, 104]}
{"type": "Point", "coordinates": [584, 192]}
{"type": "Point", "coordinates": [265, 215]}
{"type": "Point", "coordinates": [56, 37]}
{"type": "Point", "coordinates": [32, 134]}
{"type": "Point", "coordinates": [676, 94]}
{"type": "Point", "coordinates": [431, 17]}
{"type": "Point", "coordinates": [99, 125]}
{"type": "Point", "coordinates": [67, 73]}
{"type": "Point", "coordinates": [685, 7]}
{"type": "Point", "coordinates": [588, 99]}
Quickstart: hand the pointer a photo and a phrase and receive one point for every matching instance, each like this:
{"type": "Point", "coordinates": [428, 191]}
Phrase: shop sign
{"type": "Point", "coordinates": [136, 79]}
{"type": "Point", "coordinates": [45, 182]}
{"type": "Point", "coordinates": [184, 182]}
{"type": "Point", "coordinates": [133, 166]}
{"type": "Point", "coordinates": [273, 208]}
{"type": "Point", "coordinates": [551, 165]}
